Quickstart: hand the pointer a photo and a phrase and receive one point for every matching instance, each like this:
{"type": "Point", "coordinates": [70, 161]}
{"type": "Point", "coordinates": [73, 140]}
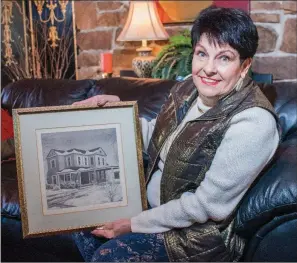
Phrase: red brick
{"type": "Point", "coordinates": [109, 5]}
{"type": "Point", "coordinates": [290, 6]}
{"type": "Point", "coordinates": [267, 40]}
{"type": "Point", "coordinates": [85, 15]}
{"type": "Point", "coordinates": [87, 59]}
{"type": "Point", "coordinates": [111, 19]}
{"type": "Point", "coordinates": [289, 38]}
{"type": "Point", "coordinates": [280, 67]}
{"type": "Point", "coordinates": [266, 18]}
{"type": "Point", "coordinates": [94, 40]}
{"type": "Point", "coordinates": [258, 5]}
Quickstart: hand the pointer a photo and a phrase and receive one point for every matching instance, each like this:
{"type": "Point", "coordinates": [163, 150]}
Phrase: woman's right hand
{"type": "Point", "coordinates": [98, 100]}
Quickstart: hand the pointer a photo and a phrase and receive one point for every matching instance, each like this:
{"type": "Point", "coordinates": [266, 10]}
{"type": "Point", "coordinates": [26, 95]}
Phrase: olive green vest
{"type": "Point", "coordinates": [189, 158]}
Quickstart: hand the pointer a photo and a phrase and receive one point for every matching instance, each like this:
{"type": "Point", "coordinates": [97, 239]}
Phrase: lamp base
{"type": "Point", "coordinates": [143, 64]}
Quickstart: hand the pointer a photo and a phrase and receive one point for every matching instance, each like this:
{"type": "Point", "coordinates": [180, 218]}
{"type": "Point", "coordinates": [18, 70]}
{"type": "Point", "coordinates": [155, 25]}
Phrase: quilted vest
{"type": "Point", "coordinates": [189, 158]}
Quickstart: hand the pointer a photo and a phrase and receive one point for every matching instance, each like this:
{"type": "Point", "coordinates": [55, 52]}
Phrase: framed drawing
{"type": "Point", "coordinates": [78, 166]}
{"type": "Point", "coordinates": [176, 12]}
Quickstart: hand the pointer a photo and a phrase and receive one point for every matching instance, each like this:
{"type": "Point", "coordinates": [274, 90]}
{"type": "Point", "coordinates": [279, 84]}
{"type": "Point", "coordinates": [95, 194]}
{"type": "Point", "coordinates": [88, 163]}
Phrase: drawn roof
{"type": "Point", "coordinates": [54, 152]}
{"type": "Point", "coordinates": [99, 149]}
{"type": "Point", "coordinates": [80, 169]}
{"type": "Point", "coordinates": [78, 150]}
{"type": "Point", "coordinates": [73, 169]}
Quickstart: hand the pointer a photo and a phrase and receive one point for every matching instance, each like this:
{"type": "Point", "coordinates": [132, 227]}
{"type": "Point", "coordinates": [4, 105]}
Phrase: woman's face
{"type": "Point", "coordinates": [216, 69]}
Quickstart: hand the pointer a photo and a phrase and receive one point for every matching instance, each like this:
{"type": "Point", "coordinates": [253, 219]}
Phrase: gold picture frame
{"type": "Point", "coordinates": [78, 167]}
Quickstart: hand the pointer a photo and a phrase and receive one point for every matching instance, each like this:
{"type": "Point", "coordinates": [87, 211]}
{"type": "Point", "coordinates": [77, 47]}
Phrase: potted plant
{"type": "Point", "coordinates": [175, 59]}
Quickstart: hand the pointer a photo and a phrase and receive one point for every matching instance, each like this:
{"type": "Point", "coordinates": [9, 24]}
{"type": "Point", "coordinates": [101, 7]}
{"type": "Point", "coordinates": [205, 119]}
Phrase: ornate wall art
{"type": "Point", "coordinates": [39, 39]}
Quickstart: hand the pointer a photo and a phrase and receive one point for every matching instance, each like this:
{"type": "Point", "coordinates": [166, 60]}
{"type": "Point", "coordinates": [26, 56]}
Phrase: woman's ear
{"type": "Point", "coordinates": [245, 67]}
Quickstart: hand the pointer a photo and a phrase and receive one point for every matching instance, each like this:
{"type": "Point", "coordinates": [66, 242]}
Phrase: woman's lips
{"type": "Point", "coordinates": [210, 82]}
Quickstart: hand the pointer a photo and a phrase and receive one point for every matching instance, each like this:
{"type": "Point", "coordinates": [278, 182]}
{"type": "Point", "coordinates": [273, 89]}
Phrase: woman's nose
{"type": "Point", "coordinates": [210, 67]}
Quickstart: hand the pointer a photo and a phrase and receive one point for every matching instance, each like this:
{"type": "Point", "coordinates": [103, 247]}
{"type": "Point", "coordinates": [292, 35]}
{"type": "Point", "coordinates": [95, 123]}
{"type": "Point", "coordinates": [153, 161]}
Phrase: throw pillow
{"type": "Point", "coordinates": [7, 140]}
{"type": "Point", "coordinates": [6, 125]}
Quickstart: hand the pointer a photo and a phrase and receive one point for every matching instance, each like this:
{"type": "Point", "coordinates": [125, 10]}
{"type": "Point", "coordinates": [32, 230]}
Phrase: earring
{"type": "Point", "coordinates": [239, 83]}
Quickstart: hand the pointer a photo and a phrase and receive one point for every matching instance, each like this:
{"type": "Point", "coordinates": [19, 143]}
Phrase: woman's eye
{"type": "Point", "coordinates": [225, 58]}
{"type": "Point", "coordinates": [201, 54]}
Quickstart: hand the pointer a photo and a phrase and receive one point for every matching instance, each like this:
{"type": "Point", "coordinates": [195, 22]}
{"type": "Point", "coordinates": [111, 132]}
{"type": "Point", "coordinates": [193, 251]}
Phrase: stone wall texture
{"type": "Point", "coordinates": [100, 22]}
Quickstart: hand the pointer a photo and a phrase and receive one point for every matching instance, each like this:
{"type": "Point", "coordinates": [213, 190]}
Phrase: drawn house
{"type": "Point", "coordinates": [79, 167]}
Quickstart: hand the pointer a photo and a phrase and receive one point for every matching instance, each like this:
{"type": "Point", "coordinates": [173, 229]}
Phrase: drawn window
{"type": "Point", "coordinates": [79, 160]}
{"type": "Point", "coordinates": [86, 161]}
{"type": "Point", "coordinates": [62, 178]}
{"type": "Point", "coordinates": [102, 161]}
{"type": "Point", "coordinates": [98, 160]}
{"type": "Point", "coordinates": [116, 175]}
{"type": "Point", "coordinates": [73, 177]}
{"type": "Point", "coordinates": [102, 175]}
{"type": "Point", "coordinates": [67, 176]}
{"type": "Point", "coordinates": [92, 161]}
{"type": "Point", "coordinates": [68, 161]}
{"type": "Point", "coordinates": [53, 164]}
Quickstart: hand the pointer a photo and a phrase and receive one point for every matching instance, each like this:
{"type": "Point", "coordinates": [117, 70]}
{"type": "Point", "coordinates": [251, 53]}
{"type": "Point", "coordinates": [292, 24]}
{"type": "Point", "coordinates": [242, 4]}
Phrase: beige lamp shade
{"type": "Point", "coordinates": [143, 23]}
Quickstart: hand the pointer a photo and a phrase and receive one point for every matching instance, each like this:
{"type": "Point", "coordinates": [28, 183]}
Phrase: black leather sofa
{"type": "Point", "coordinates": [267, 216]}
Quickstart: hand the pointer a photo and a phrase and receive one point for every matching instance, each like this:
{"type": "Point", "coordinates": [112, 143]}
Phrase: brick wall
{"type": "Point", "coordinates": [277, 52]}
{"type": "Point", "coordinates": [100, 22]}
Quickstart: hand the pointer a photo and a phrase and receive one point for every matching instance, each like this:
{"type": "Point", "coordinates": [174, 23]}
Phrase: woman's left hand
{"type": "Point", "coordinates": [113, 229]}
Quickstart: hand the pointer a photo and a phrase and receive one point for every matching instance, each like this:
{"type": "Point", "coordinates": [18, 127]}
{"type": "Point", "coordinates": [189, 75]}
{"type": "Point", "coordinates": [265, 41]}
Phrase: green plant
{"type": "Point", "coordinates": [175, 59]}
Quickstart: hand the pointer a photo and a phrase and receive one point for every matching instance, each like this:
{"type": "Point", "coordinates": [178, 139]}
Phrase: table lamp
{"type": "Point", "coordinates": [143, 23]}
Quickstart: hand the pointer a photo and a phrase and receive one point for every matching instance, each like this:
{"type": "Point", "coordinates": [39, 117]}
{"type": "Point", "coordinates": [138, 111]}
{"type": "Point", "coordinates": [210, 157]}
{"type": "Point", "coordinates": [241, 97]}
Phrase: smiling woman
{"type": "Point", "coordinates": [217, 70]}
{"type": "Point", "coordinates": [212, 138]}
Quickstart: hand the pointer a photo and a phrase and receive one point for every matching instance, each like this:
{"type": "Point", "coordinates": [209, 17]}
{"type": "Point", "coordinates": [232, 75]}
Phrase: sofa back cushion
{"type": "Point", "coordinates": [149, 93]}
{"type": "Point", "coordinates": [44, 92]}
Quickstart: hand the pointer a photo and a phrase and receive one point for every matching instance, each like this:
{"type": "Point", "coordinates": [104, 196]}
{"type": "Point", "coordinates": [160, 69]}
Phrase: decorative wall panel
{"type": "Point", "coordinates": [38, 39]}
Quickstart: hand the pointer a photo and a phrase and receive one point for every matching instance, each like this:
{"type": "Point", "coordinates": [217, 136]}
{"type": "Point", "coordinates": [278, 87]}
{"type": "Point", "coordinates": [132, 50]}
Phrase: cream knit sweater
{"type": "Point", "coordinates": [246, 148]}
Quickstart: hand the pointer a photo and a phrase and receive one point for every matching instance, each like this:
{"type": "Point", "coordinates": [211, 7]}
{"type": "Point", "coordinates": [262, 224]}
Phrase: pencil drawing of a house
{"type": "Point", "coordinates": [78, 167]}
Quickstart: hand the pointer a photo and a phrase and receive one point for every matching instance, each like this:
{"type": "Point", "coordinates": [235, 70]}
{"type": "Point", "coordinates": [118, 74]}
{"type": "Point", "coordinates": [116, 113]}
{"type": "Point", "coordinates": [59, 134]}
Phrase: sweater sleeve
{"type": "Point", "coordinates": [248, 145]}
{"type": "Point", "coordinates": [147, 128]}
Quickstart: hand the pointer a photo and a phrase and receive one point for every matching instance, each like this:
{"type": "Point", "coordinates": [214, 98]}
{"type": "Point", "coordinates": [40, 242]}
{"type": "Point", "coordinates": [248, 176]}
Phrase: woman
{"type": "Point", "coordinates": [220, 133]}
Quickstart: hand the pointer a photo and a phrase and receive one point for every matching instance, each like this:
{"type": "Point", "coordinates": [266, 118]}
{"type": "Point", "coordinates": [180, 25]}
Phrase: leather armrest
{"type": "Point", "coordinates": [273, 194]}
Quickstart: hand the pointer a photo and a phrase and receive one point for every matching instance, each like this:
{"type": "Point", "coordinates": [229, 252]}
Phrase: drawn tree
{"type": "Point", "coordinates": [111, 191]}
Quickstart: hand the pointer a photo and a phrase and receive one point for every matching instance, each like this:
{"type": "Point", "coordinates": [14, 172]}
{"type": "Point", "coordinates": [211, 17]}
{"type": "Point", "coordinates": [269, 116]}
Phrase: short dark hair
{"type": "Point", "coordinates": [227, 26]}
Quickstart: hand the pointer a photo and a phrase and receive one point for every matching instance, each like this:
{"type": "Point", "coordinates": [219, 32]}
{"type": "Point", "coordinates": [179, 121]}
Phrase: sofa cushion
{"type": "Point", "coordinates": [54, 248]}
{"type": "Point", "coordinates": [149, 93]}
{"type": "Point", "coordinates": [44, 92]}
{"type": "Point", "coordinates": [7, 149]}
{"type": "Point", "coordinates": [9, 190]}
{"type": "Point", "coordinates": [273, 194]}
